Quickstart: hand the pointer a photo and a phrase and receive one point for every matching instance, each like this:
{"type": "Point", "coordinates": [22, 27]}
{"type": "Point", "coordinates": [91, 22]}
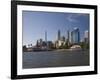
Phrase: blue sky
{"type": "Point", "coordinates": [35, 23]}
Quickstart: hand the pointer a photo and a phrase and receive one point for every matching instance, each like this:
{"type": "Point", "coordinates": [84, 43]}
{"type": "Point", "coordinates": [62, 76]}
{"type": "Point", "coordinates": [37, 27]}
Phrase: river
{"type": "Point", "coordinates": [55, 59]}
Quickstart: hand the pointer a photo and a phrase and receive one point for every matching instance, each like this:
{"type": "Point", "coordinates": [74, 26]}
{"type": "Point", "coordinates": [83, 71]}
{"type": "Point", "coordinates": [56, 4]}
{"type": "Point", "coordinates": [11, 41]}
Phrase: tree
{"type": "Point", "coordinates": [24, 48]}
{"type": "Point", "coordinates": [84, 45]}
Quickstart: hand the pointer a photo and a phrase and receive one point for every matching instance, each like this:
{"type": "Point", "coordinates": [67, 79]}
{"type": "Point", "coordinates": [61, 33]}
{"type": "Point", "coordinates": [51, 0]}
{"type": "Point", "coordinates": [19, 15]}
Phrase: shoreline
{"type": "Point", "coordinates": [58, 50]}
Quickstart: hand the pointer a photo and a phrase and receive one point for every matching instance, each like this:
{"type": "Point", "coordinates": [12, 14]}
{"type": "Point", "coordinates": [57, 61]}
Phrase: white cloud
{"type": "Point", "coordinates": [74, 17]}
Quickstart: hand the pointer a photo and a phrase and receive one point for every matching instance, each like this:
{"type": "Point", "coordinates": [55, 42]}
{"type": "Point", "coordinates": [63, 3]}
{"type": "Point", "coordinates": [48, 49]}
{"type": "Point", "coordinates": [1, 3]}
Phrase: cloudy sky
{"type": "Point", "coordinates": [35, 24]}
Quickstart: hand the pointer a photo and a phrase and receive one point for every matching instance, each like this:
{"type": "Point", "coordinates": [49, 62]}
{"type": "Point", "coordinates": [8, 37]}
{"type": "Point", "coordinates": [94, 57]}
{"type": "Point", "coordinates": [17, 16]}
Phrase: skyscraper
{"type": "Point", "coordinates": [62, 38]}
{"type": "Point", "coordinates": [46, 37]}
{"type": "Point", "coordinates": [68, 36]}
{"type": "Point", "coordinates": [75, 36]}
{"type": "Point", "coordinates": [59, 35]}
{"type": "Point", "coordinates": [39, 43]}
{"type": "Point", "coordinates": [86, 36]}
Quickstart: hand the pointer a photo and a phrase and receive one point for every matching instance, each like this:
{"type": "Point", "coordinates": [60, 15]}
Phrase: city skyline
{"type": "Point", "coordinates": [36, 23]}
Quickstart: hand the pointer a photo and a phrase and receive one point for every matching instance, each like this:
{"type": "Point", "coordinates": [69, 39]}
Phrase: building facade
{"type": "Point", "coordinates": [86, 36]}
{"type": "Point", "coordinates": [59, 35]}
{"type": "Point", "coordinates": [75, 36]}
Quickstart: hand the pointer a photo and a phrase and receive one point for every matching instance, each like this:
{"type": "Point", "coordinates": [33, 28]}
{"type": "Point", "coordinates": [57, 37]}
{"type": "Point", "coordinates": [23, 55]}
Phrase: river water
{"type": "Point", "coordinates": [55, 59]}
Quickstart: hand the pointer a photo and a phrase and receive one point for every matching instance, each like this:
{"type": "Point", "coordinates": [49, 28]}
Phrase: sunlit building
{"type": "Point", "coordinates": [60, 41]}
{"type": "Point", "coordinates": [86, 36]}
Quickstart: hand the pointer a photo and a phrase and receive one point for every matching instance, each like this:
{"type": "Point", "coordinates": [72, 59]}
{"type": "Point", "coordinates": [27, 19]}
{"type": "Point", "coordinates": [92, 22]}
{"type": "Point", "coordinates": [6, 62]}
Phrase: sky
{"type": "Point", "coordinates": [35, 23]}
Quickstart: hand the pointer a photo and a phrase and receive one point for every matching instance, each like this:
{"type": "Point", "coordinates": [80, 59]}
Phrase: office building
{"type": "Point", "coordinates": [86, 36]}
{"type": "Point", "coordinates": [59, 35]}
{"type": "Point", "coordinates": [75, 36]}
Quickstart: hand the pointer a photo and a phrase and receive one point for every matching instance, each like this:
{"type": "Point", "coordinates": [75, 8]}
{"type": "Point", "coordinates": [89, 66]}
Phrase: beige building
{"type": "Point", "coordinates": [59, 43]}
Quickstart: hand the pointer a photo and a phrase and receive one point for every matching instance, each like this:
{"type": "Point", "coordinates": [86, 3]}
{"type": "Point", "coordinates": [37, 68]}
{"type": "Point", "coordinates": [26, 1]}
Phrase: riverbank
{"type": "Point", "coordinates": [53, 50]}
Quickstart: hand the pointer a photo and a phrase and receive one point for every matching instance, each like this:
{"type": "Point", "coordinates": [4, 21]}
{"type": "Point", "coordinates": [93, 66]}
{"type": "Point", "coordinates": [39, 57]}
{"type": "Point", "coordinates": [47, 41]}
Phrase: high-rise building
{"type": "Point", "coordinates": [46, 38]}
{"type": "Point", "coordinates": [59, 35]}
{"type": "Point", "coordinates": [62, 38]}
{"type": "Point", "coordinates": [68, 35]}
{"type": "Point", "coordinates": [86, 36]}
{"type": "Point", "coordinates": [68, 38]}
{"type": "Point", "coordinates": [39, 43]}
{"type": "Point", "coordinates": [75, 36]}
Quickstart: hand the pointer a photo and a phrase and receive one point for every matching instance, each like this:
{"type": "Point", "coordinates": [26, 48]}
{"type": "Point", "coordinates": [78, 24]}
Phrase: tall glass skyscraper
{"type": "Point", "coordinates": [75, 36]}
{"type": "Point", "coordinates": [59, 35]}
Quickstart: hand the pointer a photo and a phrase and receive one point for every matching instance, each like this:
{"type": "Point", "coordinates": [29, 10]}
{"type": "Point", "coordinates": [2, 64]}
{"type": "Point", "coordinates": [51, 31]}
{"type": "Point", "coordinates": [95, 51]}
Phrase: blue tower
{"type": "Point", "coordinates": [75, 36]}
